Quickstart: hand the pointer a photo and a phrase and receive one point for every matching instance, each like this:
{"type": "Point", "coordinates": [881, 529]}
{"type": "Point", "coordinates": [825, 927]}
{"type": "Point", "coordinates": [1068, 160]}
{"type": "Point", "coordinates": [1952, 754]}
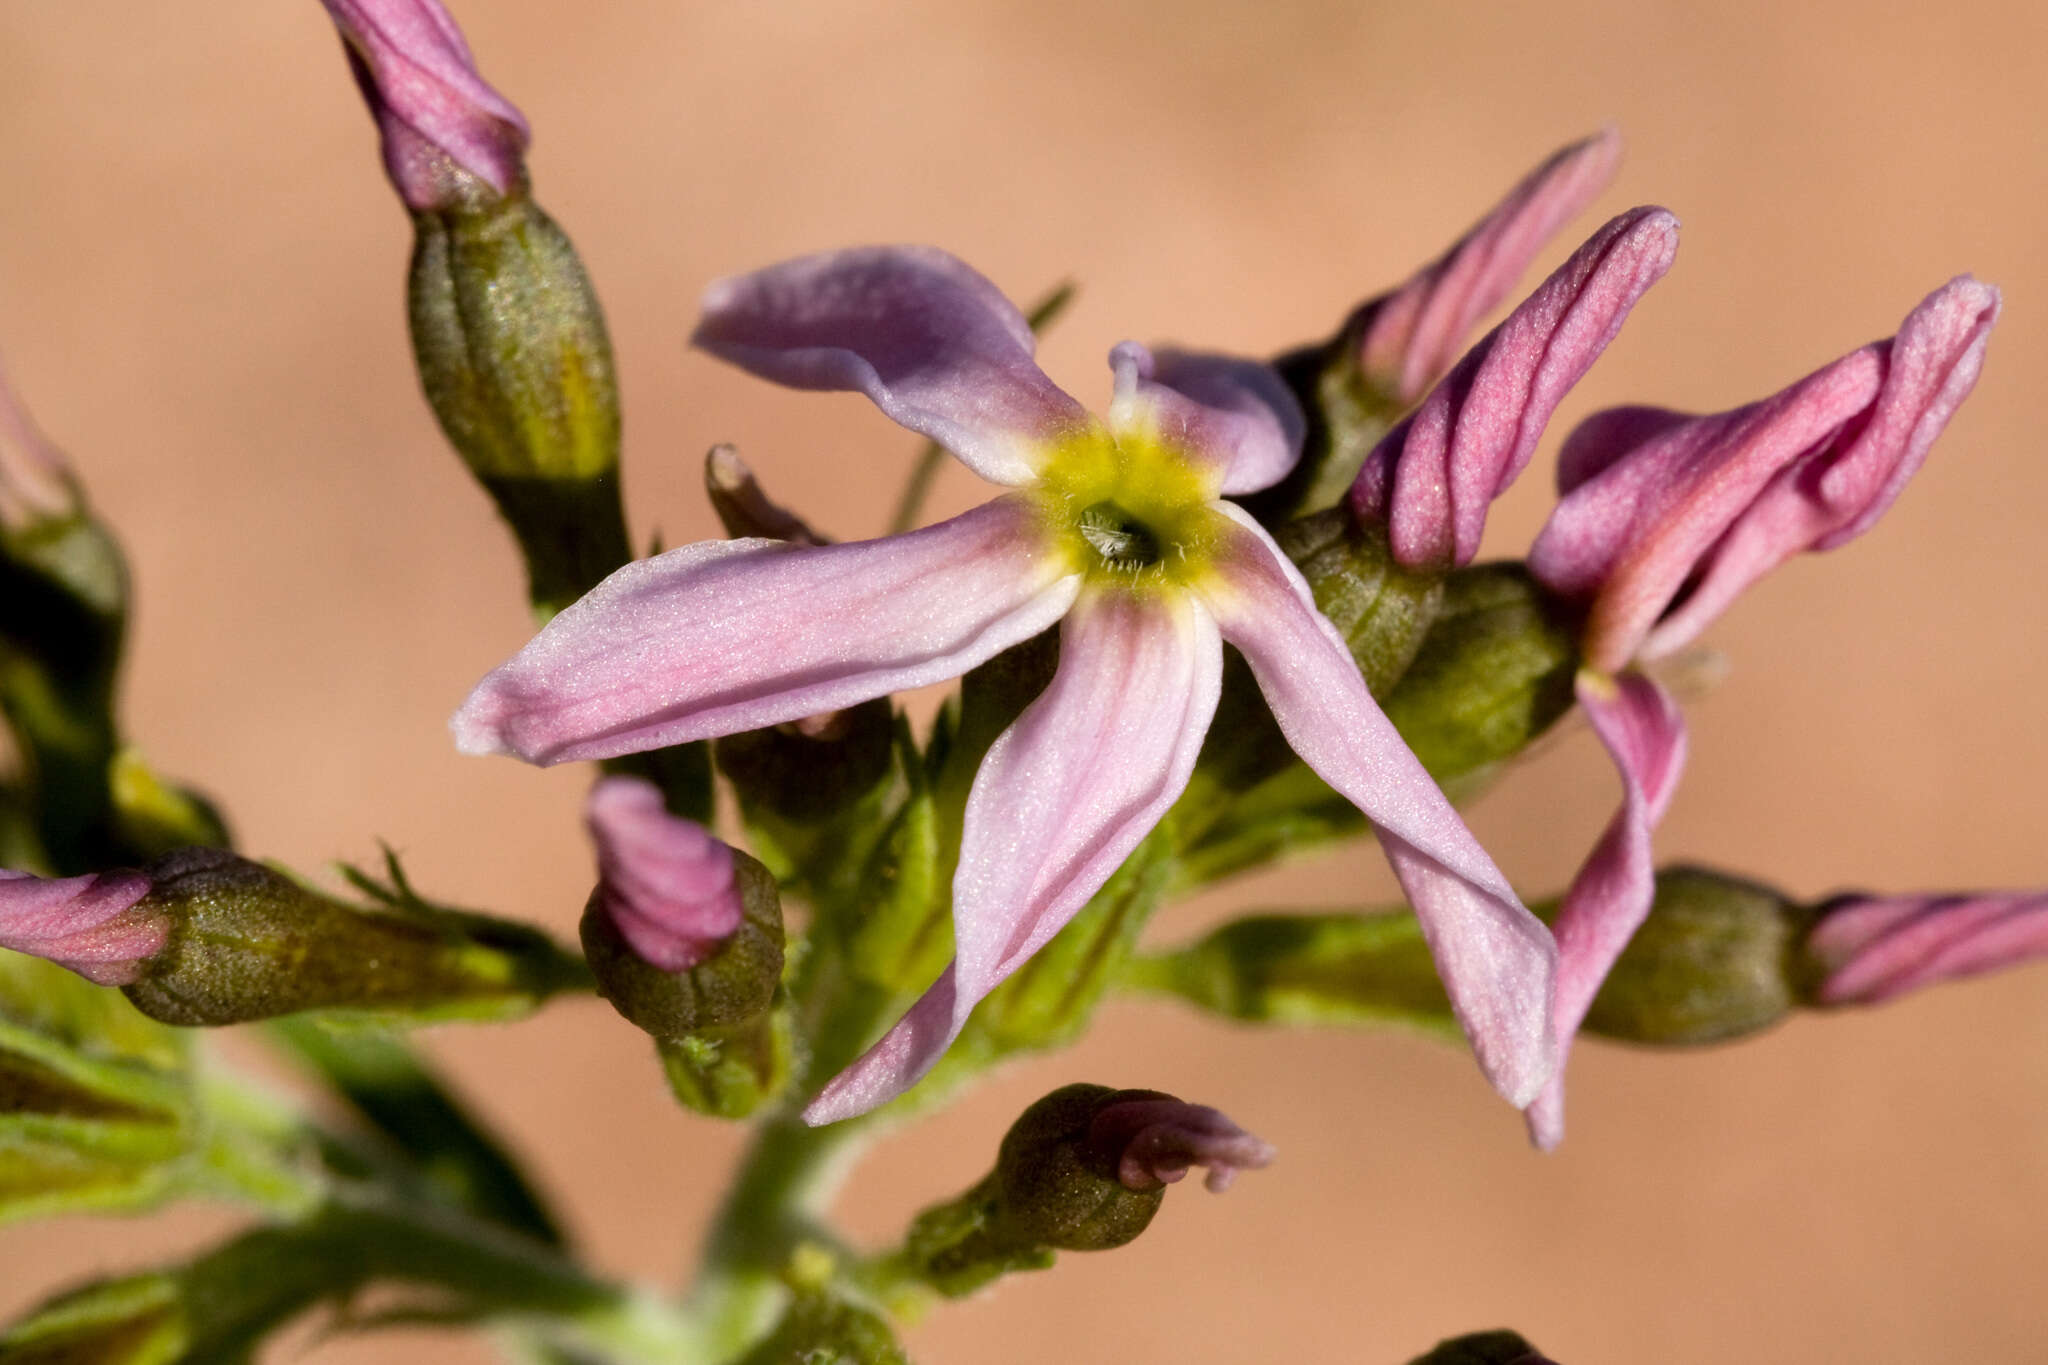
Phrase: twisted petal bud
{"type": "Point", "coordinates": [1432, 478]}
{"type": "Point", "coordinates": [1153, 1139]}
{"type": "Point", "coordinates": [1871, 948]}
{"type": "Point", "coordinates": [96, 925]}
{"type": "Point", "coordinates": [1407, 338]}
{"type": "Point", "coordinates": [667, 885]}
{"type": "Point", "coordinates": [35, 482]}
{"type": "Point", "coordinates": [444, 129]}
{"type": "Point", "coordinates": [1664, 518]}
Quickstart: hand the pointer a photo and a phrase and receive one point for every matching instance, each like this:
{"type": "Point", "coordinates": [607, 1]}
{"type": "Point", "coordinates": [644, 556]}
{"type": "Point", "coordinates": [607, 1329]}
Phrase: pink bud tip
{"type": "Point", "coordinates": [95, 925]}
{"type": "Point", "coordinates": [1154, 1139]}
{"type": "Point", "coordinates": [443, 127]}
{"type": "Point", "coordinates": [667, 883]}
{"type": "Point", "coordinates": [1407, 338]}
{"type": "Point", "coordinates": [1665, 518]}
{"type": "Point", "coordinates": [1874, 948]}
{"type": "Point", "coordinates": [35, 481]}
{"type": "Point", "coordinates": [1433, 477]}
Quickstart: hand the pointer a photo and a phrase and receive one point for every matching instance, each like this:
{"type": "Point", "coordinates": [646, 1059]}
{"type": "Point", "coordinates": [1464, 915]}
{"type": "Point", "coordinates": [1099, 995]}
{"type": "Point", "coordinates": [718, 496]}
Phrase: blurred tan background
{"type": "Point", "coordinates": [200, 293]}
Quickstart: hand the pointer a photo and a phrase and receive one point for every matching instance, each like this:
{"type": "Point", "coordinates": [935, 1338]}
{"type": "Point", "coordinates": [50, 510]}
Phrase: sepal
{"type": "Point", "coordinates": [1500, 1347]}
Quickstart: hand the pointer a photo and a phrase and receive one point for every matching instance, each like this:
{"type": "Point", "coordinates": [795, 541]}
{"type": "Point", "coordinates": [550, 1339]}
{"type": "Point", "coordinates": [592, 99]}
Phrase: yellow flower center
{"type": "Point", "coordinates": [1134, 510]}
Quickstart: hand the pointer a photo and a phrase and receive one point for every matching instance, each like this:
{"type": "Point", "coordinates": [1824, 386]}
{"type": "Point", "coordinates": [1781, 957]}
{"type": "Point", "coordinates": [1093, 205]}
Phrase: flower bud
{"type": "Point", "coordinates": [744, 509]}
{"type": "Point", "coordinates": [1484, 1348]}
{"type": "Point", "coordinates": [1494, 672]}
{"type": "Point", "coordinates": [1083, 1169]}
{"type": "Point", "coordinates": [516, 362]}
{"type": "Point", "coordinates": [1395, 345]}
{"type": "Point", "coordinates": [449, 139]}
{"type": "Point", "coordinates": [1865, 950]}
{"type": "Point", "coordinates": [685, 936]}
{"type": "Point", "coordinates": [244, 942]}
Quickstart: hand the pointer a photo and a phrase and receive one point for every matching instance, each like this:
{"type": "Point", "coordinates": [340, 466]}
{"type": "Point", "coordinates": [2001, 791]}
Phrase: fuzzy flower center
{"type": "Point", "coordinates": [1130, 509]}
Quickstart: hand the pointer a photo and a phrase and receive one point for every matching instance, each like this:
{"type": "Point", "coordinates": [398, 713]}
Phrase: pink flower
{"type": "Point", "coordinates": [95, 925]}
{"type": "Point", "coordinates": [1873, 948]}
{"type": "Point", "coordinates": [1664, 519]}
{"type": "Point", "coordinates": [1407, 337]}
{"type": "Point", "coordinates": [1118, 531]}
{"type": "Point", "coordinates": [443, 127]}
{"type": "Point", "coordinates": [667, 883]}
{"type": "Point", "coordinates": [1432, 478]}
{"type": "Point", "coordinates": [1153, 1139]}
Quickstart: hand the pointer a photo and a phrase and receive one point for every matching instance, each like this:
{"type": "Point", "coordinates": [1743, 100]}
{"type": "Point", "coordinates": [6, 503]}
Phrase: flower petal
{"type": "Point", "coordinates": [90, 924]}
{"type": "Point", "coordinates": [1433, 477]}
{"type": "Point", "coordinates": [932, 342]}
{"type": "Point", "coordinates": [1237, 416]}
{"type": "Point", "coordinates": [1875, 948]}
{"type": "Point", "coordinates": [724, 636]}
{"type": "Point", "coordinates": [1659, 509]}
{"type": "Point", "coordinates": [1062, 798]}
{"type": "Point", "coordinates": [1496, 959]}
{"type": "Point", "coordinates": [1644, 732]}
{"type": "Point", "coordinates": [1408, 338]}
{"type": "Point", "coordinates": [667, 883]}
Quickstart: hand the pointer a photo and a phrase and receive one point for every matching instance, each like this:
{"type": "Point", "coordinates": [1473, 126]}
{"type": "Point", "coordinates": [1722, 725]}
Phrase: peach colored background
{"type": "Point", "coordinates": [200, 290]}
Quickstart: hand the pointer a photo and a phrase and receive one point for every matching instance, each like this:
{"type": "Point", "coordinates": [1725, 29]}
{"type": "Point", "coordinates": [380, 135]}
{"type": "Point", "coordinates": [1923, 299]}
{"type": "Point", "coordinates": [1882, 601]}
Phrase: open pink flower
{"type": "Point", "coordinates": [442, 125]}
{"type": "Point", "coordinates": [1115, 529]}
{"type": "Point", "coordinates": [1876, 947]}
{"type": "Point", "coordinates": [1664, 519]}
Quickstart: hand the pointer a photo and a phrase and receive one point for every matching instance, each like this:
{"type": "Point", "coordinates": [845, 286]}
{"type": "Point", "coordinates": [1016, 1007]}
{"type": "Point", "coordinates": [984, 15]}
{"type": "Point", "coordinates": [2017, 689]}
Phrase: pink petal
{"type": "Point", "coordinates": [666, 882]}
{"type": "Point", "coordinates": [1237, 417]}
{"type": "Point", "coordinates": [35, 480]}
{"type": "Point", "coordinates": [1413, 333]}
{"type": "Point", "coordinates": [1877, 948]}
{"type": "Point", "coordinates": [1610, 897]}
{"type": "Point", "coordinates": [89, 924]}
{"type": "Point", "coordinates": [1062, 798]}
{"type": "Point", "coordinates": [932, 342]}
{"type": "Point", "coordinates": [430, 103]}
{"type": "Point", "coordinates": [1660, 509]}
{"type": "Point", "coordinates": [731, 635]}
{"type": "Point", "coordinates": [1153, 1139]}
{"type": "Point", "coordinates": [1433, 477]}
{"type": "Point", "coordinates": [1496, 959]}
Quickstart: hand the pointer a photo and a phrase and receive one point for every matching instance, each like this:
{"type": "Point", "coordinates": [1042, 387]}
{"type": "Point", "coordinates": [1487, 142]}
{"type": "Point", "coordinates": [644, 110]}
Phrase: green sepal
{"type": "Point", "coordinates": [247, 942]}
{"type": "Point", "coordinates": [729, 1072]}
{"type": "Point", "coordinates": [1347, 415]}
{"type": "Point", "coordinates": [138, 1320]}
{"type": "Point", "coordinates": [1493, 674]}
{"type": "Point", "coordinates": [1049, 1192]}
{"type": "Point", "coordinates": [154, 817]}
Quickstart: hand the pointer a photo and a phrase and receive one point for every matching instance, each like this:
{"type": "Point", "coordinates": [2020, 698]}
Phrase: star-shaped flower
{"type": "Point", "coordinates": [1119, 531]}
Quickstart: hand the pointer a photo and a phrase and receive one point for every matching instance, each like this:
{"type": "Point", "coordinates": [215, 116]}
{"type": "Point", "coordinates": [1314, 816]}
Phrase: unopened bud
{"type": "Point", "coordinates": [1484, 1348]}
{"type": "Point", "coordinates": [244, 942]}
{"type": "Point", "coordinates": [448, 138]}
{"type": "Point", "coordinates": [1864, 950]}
{"type": "Point", "coordinates": [517, 365]}
{"type": "Point", "coordinates": [1083, 1169]}
{"type": "Point", "coordinates": [684, 934]}
{"type": "Point", "coordinates": [744, 509]}
{"type": "Point", "coordinates": [98, 925]}
{"type": "Point", "coordinates": [1494, 672]}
